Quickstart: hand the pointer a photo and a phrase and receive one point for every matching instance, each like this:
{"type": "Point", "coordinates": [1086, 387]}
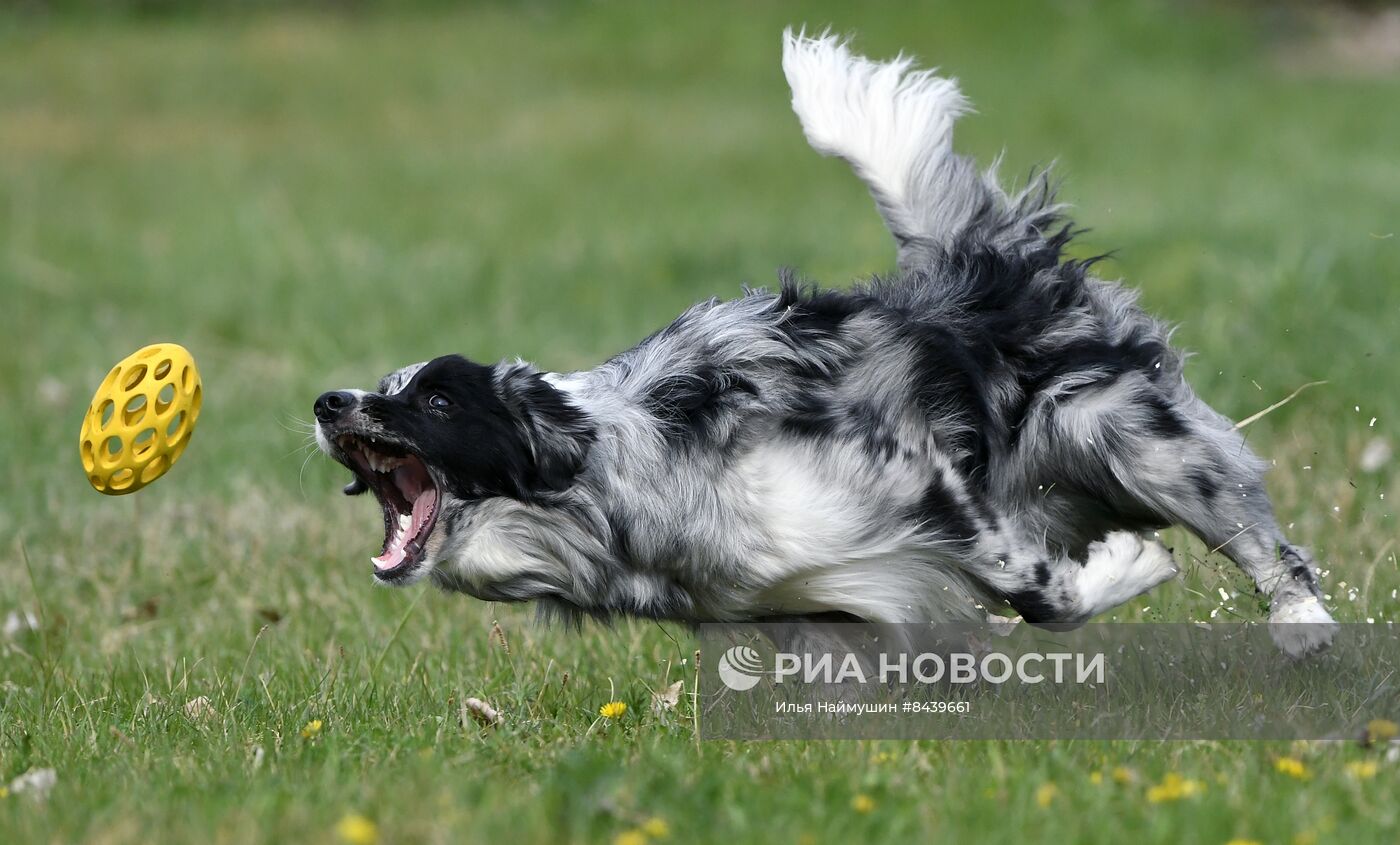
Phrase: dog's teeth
{"type": "Point", "coordinates": [405, 521]}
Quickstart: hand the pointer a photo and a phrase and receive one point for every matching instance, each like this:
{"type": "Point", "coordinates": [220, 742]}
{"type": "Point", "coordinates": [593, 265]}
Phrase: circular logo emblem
{"type": "Point", "coordinates": [740, 668]}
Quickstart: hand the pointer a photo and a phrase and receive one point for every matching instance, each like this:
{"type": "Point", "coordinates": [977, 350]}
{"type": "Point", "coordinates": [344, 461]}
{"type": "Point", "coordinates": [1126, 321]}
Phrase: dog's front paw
{"type": "Point", "coordinates": [1301, 626]}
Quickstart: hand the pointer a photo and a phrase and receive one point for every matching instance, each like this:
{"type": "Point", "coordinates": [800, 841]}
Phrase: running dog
{"type": "Point", "coordinates": [990, 429]}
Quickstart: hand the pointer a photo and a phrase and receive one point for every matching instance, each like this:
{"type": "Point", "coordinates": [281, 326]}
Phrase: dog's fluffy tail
{"type": "Point", "coordinates": [894, 126]}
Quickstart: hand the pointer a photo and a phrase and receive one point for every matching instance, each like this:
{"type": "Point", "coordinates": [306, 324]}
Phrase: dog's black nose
{"type": "Point", "coordinates": [329, 406]}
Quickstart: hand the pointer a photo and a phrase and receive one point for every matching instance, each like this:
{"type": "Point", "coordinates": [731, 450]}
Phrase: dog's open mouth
{"type": "Point", "coordinates": [407, 493]}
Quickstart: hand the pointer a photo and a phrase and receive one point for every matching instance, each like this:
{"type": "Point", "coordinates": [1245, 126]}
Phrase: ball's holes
{"type": "Point", "coordinates": [96, 480]}
{"type": "Point", "coordinates": [111, 380]}
{"type": "Point", "coordinates": [108, 409]}
{"type": "Point", "coordinates": [135, 409]}
{"type": "Point", "coordinates": [133, 377]}
{"type": "Point", "coordinates": [164, 399]}
{"type": "Point", "coordinates": [122, 478]}
{"type": "Point", "coordinates": [196, 399]}
{"type": "Point", "coordinates": [187, 379]}
{"type": "Point", "coordinates": [152, 351]}
{"type": "Point", "coordinates": [143, 442]}
{"type": "Point", "coordinates": [110, 453]}
{"type": "Point", "coordinates": [153, 470]}
{"type": "Point", "coordinates": [89, 456]}
{"type": "Point", "coordinates": [162, 369]}
{"type": "Point", "coordinates": [176, 429]}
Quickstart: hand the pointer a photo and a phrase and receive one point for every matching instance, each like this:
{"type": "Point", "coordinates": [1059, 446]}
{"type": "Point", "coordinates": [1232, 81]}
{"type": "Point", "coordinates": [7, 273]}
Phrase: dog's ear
{"type": "Point", "coordinates": [560, 434]}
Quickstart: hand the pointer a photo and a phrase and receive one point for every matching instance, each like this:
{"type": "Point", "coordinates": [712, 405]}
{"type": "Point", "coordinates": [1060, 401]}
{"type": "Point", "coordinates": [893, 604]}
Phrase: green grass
{"type": "Point", "coordinates": [307, 201]}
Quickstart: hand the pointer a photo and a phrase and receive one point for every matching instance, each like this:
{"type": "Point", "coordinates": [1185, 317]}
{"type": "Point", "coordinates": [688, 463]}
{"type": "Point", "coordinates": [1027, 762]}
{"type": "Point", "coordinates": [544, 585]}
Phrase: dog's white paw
{"type": "Point", "coordinates": [1301, 626]}
{"type": "Point", "coordinates": [1121, 567]}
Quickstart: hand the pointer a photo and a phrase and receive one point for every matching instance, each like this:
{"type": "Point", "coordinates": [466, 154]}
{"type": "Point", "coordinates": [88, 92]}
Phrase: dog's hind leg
{"type": "Point", "coordinates": [1045, 587]}
{"type": "Point", "coordinates": [1180, 462]}
{"type": "Point", "coordinates": [1208, 481]}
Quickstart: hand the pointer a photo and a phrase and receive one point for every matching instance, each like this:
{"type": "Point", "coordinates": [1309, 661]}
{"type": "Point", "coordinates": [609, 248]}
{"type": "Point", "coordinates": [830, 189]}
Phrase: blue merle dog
{"type": "Point", "coordinates": [990, 429]}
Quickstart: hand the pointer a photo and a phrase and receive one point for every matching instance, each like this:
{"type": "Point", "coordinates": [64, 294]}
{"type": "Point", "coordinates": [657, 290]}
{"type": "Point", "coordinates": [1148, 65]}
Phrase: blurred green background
{"type": "Point", "coordinates": [307, 196]}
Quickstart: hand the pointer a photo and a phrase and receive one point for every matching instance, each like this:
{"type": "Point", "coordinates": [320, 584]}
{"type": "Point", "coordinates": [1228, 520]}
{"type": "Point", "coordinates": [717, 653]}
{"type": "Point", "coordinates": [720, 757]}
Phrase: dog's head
{"type": "Point", "coordinates": [443, 434]}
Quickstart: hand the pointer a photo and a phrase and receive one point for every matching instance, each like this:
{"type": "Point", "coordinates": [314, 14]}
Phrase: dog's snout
{"type": "Point", "coordinates": [331, 406]}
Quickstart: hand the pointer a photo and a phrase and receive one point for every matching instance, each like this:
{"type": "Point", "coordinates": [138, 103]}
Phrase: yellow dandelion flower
{"type": "Point", "coordinates": [1243, 842]}
{"type": "Point", "coordinates": [4, 792]}
{"type": "Point", "coordinates": [882, 757]}
{"type": "Point", "coordinates": [1305, 837]}
{"type": "Point", "coordinates": [613, 709]}
{"type": "Point", "coordinates": [1291, 766]}
{"type": "Point", "coordinates": [1362, 769]}
{"type": "Point", "coordinates": [312, 729]}
{"type": "Point", "coordinates": [630, 837]}
{"type": "Point", "coordinates": [863, 803]}
{"type": "Point", "coordinates": [1045, 794]}
{"type": "Point", "coordinates": [355, 829]}
{"type": "Point", "coordinates": [656, 828]}
{"type": "Point", "coordinates": [1096, 778]}
{"type": "Point", "coordinates": [1123, 775]}
{"type": "Point", "coordinates": [1381, 730]}
{"type": "Point", "coordinates": [1174, 787]}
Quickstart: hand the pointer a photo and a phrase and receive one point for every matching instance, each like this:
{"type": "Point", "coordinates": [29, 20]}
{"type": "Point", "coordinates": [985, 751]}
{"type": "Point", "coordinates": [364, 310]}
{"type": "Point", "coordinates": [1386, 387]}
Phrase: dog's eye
{"type": "Point", "coordinates": [437, 400]}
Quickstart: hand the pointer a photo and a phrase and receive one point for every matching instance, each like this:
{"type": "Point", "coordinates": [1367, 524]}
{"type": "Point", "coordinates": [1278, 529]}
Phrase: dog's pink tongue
{"type": "Point", "coordinates": [423, 508]}
{"type": "Point", "coordinates": [393, 556]}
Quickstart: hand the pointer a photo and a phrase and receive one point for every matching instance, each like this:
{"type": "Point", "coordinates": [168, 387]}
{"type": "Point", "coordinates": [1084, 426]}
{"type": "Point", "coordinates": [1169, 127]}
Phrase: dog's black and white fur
{"type": "Point", "coordinates": [990, 428]}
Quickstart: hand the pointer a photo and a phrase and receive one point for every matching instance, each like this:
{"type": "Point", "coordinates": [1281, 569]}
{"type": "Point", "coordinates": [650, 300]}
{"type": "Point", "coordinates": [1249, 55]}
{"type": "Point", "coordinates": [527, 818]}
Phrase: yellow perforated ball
{"type": "Point", "coordinates": [141, 419]}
